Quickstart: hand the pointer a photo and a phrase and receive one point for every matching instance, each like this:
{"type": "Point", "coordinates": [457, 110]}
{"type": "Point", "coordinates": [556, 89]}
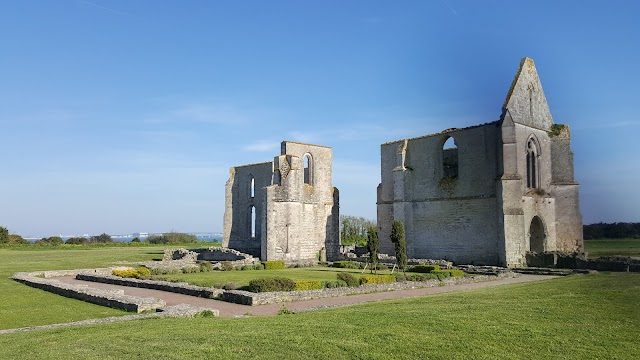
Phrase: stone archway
{"type": "Point", "coordinates": [537, 235]}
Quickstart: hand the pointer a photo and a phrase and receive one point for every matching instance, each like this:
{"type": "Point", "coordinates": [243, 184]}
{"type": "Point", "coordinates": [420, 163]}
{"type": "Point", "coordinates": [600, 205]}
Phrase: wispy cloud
{"type": "Point", "coordinates": [200, 113]}
{"type": "Point", "coordinates": [262, 146]}
{"type": "Point", "coordinates": [98, 6]}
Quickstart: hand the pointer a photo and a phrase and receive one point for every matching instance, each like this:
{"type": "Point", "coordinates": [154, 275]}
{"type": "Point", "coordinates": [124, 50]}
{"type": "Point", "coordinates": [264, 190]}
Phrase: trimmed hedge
{"type": "Point", "coordinates": [377, 279]}
{"type": "Point", "coordinates": [268, 284]}
{"type": "Point", "coordinates": [424, 268]}
{"type": "Point", "coordinates": [451, 272]}
{"type": "Point", "coordinates": [346, 265]}
{"type": "Point", "coordinates": [332, 284]}
{"type": "Point", "coordinates": [274, 265]}
{"type": "Point", "coordinates": [308, 285]}
{"type": "Point", "coordinates": [132, 273]}
{"type": "Point", "coordinates": [350, 279]}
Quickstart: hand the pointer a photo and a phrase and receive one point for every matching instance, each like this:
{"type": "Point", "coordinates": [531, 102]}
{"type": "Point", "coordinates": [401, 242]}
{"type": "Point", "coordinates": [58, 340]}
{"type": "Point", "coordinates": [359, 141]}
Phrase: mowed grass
{"type": "Point", "coordinates": [577, 317]}
{"type": "Point", "coordinates": [612, 247]}
{"type": "Point", "coordinates": [22, 306]}
{"type": "Point", "coordinates": [242, 277]}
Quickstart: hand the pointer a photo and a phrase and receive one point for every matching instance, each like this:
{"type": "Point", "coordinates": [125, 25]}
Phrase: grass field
{"type": "Point", "coordinates": [243, 277]}
{"type": "Point", "coordinates": [612, 247]}
{"type": "Point", "coordinates": [576, 317]}
{"type": "Point", "coordinates": [22, 306]}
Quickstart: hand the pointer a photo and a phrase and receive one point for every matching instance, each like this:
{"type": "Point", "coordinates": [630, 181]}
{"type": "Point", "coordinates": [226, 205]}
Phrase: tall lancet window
{"type": "Point", "coordinates": [308, 169]}
{"type": "Point", "coordinates": [533, 168]}
{"type": "Point", "coordinates": [252, 186]}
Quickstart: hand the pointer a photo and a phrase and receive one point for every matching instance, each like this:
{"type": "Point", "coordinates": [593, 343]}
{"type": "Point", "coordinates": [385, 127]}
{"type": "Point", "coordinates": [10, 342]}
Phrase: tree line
{"type": "Point", "coordinates": [619, 230]}
{"type": "Point", "coordinates": [166, 238]}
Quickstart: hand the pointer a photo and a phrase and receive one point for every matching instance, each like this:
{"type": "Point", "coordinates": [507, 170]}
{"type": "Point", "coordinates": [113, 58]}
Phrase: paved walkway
{"type": "Point", "coordinates": [233, 310]}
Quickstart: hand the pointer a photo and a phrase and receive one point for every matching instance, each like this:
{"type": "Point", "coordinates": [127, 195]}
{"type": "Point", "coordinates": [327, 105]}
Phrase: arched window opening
{"type": "Point", "coordinates": [536, 235]}
{"type": "Point", "coordinates": [308, 169]}
{"type": "Point", "coordinates": [532, 165]}
{"type": "Point", "coordinates": [450, 158]}
{"type": "Point", "coordinates": [253, 221]}
{"type": "Point", "coordinates": [252, 186]}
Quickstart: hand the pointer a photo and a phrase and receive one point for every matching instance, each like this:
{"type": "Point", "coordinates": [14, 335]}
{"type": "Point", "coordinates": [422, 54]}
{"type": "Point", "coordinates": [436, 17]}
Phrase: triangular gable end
{"type": "Point", "coordinates": [526, 102]}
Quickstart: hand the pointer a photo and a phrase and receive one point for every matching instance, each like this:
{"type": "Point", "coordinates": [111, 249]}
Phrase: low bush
{"type": "Point", "coordinates": [308, 285]}
{"type": "Point", "coordinates": [451, 272]}
{"type": "Point", "coordinates": [346, 265]}
{"type": "Point", "coordinates": [274, 265]}
{"type": "Point", "coordinates": [400, 277]}
{"type": "Point", "coordinates": [165, 271]}
{"type": "Point", "coordinates": [377, 279]}
{"type": "Point", "coordinates": [190, 269]}
{"type": "Point", "coordinates": [332, 284]}
{"type": "Point", "coordinates": [380, 267]}
{"type": "Point", "coordinates": [230, 286]}
{"type": "Point", "coordinates": [205, 266]}
{"type": "Point", "coordinates": [258, 267]}
{"type": "Point", "coordinates": [247, 267]}
{"type": "Point", "coordinates": [424, 268]}
{"type": "Point", "coordinates": [132, 273]}
{"type": "Point", "coordinates": [421, 277]}
{"type": "Point", "coordinates": [267, 284]}
{"type": "Point", "coordinates": [226, 266]}
{"type": "Point", "coordinates": [350, 279]}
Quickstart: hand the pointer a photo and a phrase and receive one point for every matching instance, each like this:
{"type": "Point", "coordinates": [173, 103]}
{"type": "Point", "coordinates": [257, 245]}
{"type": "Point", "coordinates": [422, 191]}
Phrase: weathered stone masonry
{"type": "Point", "coordinates": [504, 189]}
{"type": "Point", "coordinates": [286, 209]}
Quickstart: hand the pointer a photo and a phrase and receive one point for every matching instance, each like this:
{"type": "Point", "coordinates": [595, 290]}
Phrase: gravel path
{"type": "Point", "coordinates": [234, 310]}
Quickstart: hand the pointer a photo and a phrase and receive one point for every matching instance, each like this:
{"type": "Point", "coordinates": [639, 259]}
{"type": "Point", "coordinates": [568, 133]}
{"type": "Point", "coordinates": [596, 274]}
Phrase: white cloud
{"type": "Point", "coordinates": [262, 146]}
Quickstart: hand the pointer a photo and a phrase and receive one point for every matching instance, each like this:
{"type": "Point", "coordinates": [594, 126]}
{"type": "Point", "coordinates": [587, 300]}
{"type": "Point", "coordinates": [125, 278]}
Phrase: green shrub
{"type": "Point", "coordinates": [267, 284]}
{"type": "Point", "coordinates": [424, 268]}
{"type": "Point", "coordinates": [350, 279]}
{"type": "Point", "coordinates": [230, 286]}
{"type": "Point", "coordinates": [274, 265]}
{"type": "Point", "coordinates": [421, 277]}
{"type": "Point", "coordinates": [190, 269]}
{"type": "Point", "coordinates": [308, 285]}
{"type": "Point", "coordinates": [441, 275]}
{"type": "Point", "coordinates": [132, 273]}
{"type": "Point", "coordinates": [377, 279]}
{"type": "Point", "coordinates": [451, 272]}
{"type": "Point", "coordinates": [346, 265]}
{"type": "Point", "coordinates": [400, 277]}
{"type": "Point", "coordinates": [332, 284]}
{"type": "Point", "coordinates": [258, 266]}
{"type": "Point", "coordinates": [226, 266]}
{"type": "Point", "coordinates": [380, 267]}
{"type": "Point", "coordinates": [205, 266]}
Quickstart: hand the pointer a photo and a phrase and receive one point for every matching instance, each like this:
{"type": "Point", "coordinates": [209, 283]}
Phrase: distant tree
{"type": "Point", "coordinates": [612, 231]}
{"type": "Point", "coordinates": [101, 239]}
{"type": "Point", "coordinates": [353, 230]}
{"type": "Point", "coordinates": [172, 238]}
{"type": "Point", "coordinates": [54, 240]}
{"type": "Point", "coordinates": [76, 241]}
{"type": "Point", "coordinates": [400, 243]}
{"type": "Point", "coordinates": [4, 235]}
{"type": "Point", "coordinates": [372, 245]}
{"type": "Point", "coordinates": [135, 240]}
{"type": "Point", "coordinates": [17, 239]}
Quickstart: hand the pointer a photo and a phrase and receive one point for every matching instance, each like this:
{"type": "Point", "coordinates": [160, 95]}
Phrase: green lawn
{"type": "Point", "coordinates": [576, 317]}
{"type": "Point", "coordinates": [242, 277]}
{"type": "Point", "coordinates": [21, 305]}
{"type": "Point", "coordinates": [612, 247]}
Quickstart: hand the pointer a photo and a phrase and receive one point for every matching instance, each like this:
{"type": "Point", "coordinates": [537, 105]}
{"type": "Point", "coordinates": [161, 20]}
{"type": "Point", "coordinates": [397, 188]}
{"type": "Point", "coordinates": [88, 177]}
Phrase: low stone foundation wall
{"type": "Point", "coordinates": [111, 298]}
{"type": "Point", "coordinates": [253, 299]}
{"type": "Point", "coordinates": [180, 288]}
{"type": "Point", "coordinates": [553, 259]}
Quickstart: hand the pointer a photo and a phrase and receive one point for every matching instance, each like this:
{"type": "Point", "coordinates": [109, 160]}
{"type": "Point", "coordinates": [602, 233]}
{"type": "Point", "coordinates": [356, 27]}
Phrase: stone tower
{"type": "Point", "coordinates": [286, 209]}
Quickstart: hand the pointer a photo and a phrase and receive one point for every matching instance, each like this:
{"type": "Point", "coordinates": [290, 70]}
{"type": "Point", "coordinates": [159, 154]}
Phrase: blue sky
{"type": "Point", "coordinates": [124, 116]}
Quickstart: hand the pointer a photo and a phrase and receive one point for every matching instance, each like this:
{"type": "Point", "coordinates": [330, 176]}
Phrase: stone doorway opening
{"type": "Point", "coordinates": [537, 235]}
